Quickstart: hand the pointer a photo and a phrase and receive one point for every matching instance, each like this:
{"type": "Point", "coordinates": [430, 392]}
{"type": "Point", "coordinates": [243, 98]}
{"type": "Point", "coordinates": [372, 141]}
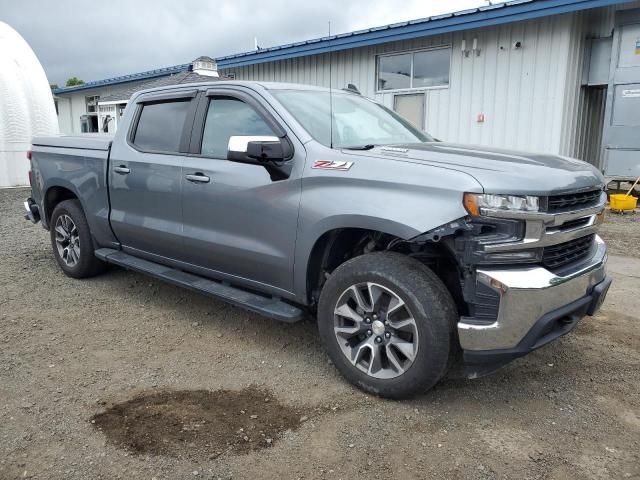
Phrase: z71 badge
{"type": "Point", "coordinates": [331, 165]}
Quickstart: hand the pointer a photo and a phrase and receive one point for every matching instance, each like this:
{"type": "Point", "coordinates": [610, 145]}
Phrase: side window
{"type": "Point", "coordinates": [160, 126]}
{"type": "Point", "coordinates": [227, 117]}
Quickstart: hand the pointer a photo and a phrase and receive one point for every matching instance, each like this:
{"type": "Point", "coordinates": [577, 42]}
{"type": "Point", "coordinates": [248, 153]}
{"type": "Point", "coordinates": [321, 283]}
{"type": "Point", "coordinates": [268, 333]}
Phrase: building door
{"type": "Point", "coordinates": [89, 123]}
{"type": "Point", "coordinates": [622, 115]}
{"type": "Point", "coordinates": [411, 107]}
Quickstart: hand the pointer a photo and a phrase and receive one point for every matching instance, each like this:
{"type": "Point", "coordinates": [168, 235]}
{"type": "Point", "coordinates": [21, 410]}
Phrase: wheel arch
{"type": "Point", "coordinates": [333, 246]}
{"type": "Point", "coordinates": [53, 195]}
{"type": "Point", "coordinates": [314, 240]}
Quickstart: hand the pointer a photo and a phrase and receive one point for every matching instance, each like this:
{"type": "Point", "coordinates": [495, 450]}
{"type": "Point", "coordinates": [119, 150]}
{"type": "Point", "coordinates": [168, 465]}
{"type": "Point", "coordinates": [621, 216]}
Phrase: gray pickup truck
{"type": "Point", "coordinates": [417, 257]}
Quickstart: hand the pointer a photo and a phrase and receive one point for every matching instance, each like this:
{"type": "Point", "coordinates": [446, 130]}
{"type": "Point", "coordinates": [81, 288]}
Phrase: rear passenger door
{"type": "Point", "coordinates": [146, 176]}
{"type": "Point", "coordinates": [239, 223]}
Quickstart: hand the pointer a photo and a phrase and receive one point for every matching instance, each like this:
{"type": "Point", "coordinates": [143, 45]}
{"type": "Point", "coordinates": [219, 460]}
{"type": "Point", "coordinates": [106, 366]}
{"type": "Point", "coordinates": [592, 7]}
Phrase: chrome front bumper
{"type": "Point", "coordinates": [526, 295]}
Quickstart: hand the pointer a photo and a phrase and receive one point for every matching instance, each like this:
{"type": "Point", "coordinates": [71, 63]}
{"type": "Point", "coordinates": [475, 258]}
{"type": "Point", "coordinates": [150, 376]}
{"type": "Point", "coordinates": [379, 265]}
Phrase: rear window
{"type": "Point", "coordinates": [160, 126]}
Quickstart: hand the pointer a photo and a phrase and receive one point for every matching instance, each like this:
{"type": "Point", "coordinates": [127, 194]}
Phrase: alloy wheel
{"type": "Point", "coordinates": [67, 240]}
{"type": "Point", "coordinates": [375, 330]}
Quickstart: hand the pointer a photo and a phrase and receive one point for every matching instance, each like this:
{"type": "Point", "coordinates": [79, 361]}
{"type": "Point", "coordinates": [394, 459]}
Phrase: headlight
{"type": "Point", "coordinates": [475, 202]}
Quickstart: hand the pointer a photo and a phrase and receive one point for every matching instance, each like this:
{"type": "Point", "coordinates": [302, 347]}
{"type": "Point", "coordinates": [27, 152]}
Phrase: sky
{"type": "Point", "coordinates": [100, 39]}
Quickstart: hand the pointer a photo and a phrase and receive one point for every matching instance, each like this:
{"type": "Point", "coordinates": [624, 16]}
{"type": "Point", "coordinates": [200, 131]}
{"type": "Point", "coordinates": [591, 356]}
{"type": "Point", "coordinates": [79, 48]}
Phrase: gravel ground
{"type": "Point", "coordinates": [121, 376]}
{"type": "Point", "coordinates": [622, 233]}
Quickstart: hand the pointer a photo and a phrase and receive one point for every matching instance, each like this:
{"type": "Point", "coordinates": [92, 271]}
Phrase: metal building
{"type": "Point", "coordinates": [553, 76]}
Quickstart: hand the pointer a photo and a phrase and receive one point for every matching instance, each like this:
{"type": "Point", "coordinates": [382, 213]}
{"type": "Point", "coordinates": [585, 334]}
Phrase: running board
{"type": "Point", "coordinates": [268, 306]}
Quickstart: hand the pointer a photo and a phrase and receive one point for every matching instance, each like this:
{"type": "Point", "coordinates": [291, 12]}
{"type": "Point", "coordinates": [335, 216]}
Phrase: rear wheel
{"type": "Point", "coordinates": [72, 241]}
{"type": "Point", "coordinates": [387, 323]}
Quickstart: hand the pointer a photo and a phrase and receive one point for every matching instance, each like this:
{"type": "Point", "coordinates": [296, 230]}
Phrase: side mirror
{"type": "Point", "coordinates": [271, 152]}
{"type": "Point", "coordinates": [255, 149]}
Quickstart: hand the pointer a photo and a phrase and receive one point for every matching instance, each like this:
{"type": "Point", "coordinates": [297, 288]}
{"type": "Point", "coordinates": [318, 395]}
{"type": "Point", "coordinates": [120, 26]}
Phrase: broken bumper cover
{"type": "Point", "coordinates": [536, 307]}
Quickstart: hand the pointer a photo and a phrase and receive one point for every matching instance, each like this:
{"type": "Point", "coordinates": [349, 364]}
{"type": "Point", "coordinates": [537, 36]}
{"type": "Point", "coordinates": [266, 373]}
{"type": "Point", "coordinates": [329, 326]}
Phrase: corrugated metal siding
{"type": "Point", "coordinates": [584, 107]}
{"type": "Point", "coordinates": [521, 92]}
{"type": "Point", "coordinates": [583, 113]}
{"type": "Point", "coordinates": [602, 20]}
{"type": "Point", "coordinates": [574, 67]}
{"type": "Point", "coordinates": [588, 141]}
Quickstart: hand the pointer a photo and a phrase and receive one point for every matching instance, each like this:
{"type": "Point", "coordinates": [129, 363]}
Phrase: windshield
{"type": "Point", "coordinates": [357, 121]}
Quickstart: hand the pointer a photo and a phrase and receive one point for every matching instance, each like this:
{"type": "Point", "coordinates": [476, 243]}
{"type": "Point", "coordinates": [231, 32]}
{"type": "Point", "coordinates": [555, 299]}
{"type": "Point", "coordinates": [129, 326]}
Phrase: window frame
{"type": "Point", "coordinates": [165, 97]}
{"type": "Point", "coordinates": [197, 132]}
{"type": "Point", "coordinates": [412, 51]}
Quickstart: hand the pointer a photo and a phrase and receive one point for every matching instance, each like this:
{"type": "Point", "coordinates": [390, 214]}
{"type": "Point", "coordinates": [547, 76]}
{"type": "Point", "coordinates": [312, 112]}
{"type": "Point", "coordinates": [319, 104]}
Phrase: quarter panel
{"type": "Point", "coordinates": [84, 173]}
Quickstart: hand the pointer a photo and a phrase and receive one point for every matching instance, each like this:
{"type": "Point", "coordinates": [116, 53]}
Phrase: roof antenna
{"type": "Point", "coordinates": [330, 93]}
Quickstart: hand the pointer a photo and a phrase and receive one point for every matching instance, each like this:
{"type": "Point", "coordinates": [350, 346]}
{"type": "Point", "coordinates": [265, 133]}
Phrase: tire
{"type": "Point", "coordinates": [79, 260]}
{"type": "Point", "coordinates": [427, 342]}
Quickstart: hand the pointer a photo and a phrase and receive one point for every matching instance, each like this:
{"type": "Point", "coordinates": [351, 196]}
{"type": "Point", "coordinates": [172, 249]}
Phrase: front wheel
{"type": "Point", "coordinates": [387, 322]}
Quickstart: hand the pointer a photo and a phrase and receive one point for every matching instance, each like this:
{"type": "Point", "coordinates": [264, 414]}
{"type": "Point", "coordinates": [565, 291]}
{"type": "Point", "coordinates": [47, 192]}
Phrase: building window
{"type": "Point", "coordinates": [92, 103]}
{"type": "Point", "coordinates": [419, 69]}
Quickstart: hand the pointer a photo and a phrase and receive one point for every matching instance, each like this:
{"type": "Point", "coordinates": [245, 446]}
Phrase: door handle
{"type": "Point", "coordinates": [122, 170]}
{"type": "Point", "coordinates": [197, 177]}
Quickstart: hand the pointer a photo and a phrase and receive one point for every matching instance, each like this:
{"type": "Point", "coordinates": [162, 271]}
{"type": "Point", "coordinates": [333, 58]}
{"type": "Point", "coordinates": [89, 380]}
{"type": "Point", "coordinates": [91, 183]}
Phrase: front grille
{"type": "Point", "coordinates": [558, 203]}
{"type": "Point", "coordinates": [559, 255]}
{"type": "Point", "coordinates": [571, 224]}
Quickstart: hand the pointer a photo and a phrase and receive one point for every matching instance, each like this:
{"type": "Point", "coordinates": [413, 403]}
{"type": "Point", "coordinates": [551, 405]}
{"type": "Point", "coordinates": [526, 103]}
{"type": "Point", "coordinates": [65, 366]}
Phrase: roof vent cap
{"type": "Point", "coordinates": [205, 66]}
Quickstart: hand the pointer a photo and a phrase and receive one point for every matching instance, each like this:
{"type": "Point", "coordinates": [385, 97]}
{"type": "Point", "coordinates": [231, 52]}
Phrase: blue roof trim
{"type": "Point", "coordinates": [496, 14]}
{"type": "Point", "coordinates": [159, 72]}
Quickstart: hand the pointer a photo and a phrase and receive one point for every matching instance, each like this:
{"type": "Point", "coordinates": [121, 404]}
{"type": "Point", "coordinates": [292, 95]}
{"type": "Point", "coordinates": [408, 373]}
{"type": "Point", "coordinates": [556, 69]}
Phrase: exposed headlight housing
{"type": "Point", "coordinates": [474, 203]}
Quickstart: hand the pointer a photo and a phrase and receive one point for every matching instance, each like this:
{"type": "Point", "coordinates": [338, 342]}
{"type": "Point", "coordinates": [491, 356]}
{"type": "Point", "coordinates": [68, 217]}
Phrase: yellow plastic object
{"type": "Point", "coordinates": [620, 201]}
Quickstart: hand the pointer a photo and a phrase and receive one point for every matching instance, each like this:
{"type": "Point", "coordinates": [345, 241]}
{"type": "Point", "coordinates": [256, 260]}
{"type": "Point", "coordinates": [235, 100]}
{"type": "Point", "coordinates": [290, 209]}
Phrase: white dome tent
{"type": "Point", "coordinates": [26, 106]}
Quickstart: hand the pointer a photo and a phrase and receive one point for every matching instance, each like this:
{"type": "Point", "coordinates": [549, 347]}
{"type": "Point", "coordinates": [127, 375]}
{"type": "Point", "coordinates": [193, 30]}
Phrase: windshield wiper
{"type": "Point", "coordinates": [369, 146]}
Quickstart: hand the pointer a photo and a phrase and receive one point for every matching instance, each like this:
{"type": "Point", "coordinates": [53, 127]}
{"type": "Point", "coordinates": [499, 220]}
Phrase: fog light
{"type": "Point", "coordinates": [492, 282]}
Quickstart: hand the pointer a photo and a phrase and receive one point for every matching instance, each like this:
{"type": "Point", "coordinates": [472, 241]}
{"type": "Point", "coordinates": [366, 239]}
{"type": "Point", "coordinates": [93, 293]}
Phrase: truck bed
{"type": "Point", "coordinates": [74, 166]}
{"type": "Point", "coordinates": [88, 141]}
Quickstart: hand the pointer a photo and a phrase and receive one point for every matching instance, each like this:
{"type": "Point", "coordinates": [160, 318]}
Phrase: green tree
{"type": "Point", "coordinates": [53, 86]}
{"type": "Point", "coordinates": [73, 81]}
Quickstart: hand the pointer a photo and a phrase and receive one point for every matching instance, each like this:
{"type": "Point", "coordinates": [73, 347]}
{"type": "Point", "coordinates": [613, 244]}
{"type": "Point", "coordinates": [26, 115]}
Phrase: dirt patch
{"type": "Point", "coordinates": [198, 423]}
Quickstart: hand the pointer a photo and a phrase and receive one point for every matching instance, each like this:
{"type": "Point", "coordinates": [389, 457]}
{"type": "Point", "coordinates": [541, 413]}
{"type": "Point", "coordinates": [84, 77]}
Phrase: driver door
{"type": "Point", "coordinates": [238, 223]}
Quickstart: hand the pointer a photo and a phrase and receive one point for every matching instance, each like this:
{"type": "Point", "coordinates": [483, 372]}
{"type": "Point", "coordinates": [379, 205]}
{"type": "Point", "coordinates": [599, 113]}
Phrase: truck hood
{"type": "Point", "coordinates": [497, 170]}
